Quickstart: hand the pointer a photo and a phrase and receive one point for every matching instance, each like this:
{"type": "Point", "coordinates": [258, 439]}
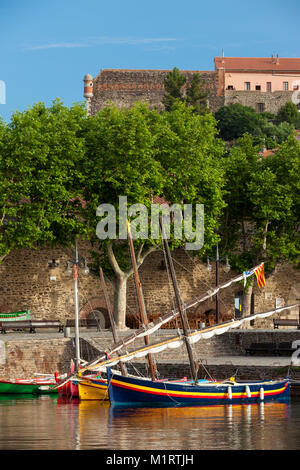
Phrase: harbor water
{"type": "Point", "coordinates": [48, 422]}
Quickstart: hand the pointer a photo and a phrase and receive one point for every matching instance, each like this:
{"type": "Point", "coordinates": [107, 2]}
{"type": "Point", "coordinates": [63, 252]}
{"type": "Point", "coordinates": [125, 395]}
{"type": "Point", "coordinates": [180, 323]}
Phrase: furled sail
{"type": "Point", "coordinates": [158, 323]}
{"type": "Point", "coordinates": [178, 340]}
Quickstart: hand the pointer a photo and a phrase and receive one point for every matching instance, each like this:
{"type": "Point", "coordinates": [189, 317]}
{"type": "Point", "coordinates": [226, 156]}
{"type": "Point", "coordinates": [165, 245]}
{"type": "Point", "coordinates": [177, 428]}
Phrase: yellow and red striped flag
{"type": "Point", "coordinates": [260, 275]}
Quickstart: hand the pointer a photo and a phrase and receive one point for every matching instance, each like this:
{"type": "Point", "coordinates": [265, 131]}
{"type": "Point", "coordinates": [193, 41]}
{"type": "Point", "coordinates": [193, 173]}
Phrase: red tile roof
{"type": "Point", "coordinates": [258, 63]}
{"type": "Point", "coordinates": [160, 200]}
{"type": "Point", "coordinates": [266, 153]}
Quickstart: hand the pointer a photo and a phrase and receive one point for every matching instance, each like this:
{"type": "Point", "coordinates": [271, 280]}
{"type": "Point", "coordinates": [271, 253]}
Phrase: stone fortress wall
{"type": "Point", "coordinates": [125, 87]}
{"type": "Point", "coordinates": [27, 282]}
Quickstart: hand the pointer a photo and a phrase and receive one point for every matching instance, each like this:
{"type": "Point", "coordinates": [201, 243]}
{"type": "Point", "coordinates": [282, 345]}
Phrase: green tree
{"type": "Point", "coordinates": [173, 84]}
{"type": "Point", "coordinates": [284, 240]}
{"type": "Point", "coordinates": [235, 120]}
{"type": "Point", "coordinates": [265, 192]}
{"type": "Point", "coordinates": [193, 93]}
{"type": "Point", "coordinates": [271, 135]}
{"type": "Point", "coordinates": [197, 94]}
{"type": "Point", "coordinates": [120, 146]}
{"type": "Point", "coordinates": [141, 154]}
{"type": "Point", "coordinates": [288, 113]}
{"type": "Point", "coordinates": [240, 163]}
{"type": "Point", "coordinates": [40, 150]}
{"type": "Point", "coordinates": [191, 155]}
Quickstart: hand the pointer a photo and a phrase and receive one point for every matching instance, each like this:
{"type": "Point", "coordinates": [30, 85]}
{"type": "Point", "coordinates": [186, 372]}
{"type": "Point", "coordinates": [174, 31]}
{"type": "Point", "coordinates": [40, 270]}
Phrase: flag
{"type": "Point", "coordinates": [260, 276]}
{"type": "Point", "coordinates": [245, 275]}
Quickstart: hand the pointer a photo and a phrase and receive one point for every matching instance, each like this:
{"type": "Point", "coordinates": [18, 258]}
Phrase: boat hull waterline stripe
{"type": "Point", "coordinates": [123, 390]}
{"type": "Point", "coordinates": [213, 395]}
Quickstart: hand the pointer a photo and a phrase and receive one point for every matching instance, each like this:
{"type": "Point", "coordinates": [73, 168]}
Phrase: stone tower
{"type": "Point", "coordinates": [88, 91]}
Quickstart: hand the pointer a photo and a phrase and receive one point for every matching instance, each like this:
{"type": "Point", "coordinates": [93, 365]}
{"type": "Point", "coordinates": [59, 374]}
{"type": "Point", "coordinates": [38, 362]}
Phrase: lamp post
{"type": "Point", "coordinates": [75, 263]}
{"type": "Point", "coordinates": [226, 268]}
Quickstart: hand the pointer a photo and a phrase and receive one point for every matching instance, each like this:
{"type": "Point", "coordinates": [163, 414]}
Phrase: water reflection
{"type": "Point", "coordinates": [221, 427]}
{"type": "Point", "coordinates": [48, 422]}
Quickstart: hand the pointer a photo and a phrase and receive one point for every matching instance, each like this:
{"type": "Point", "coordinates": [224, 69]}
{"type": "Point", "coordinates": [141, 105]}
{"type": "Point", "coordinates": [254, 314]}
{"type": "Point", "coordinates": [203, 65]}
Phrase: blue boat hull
{"type": "Point", "coordinates": [134, 391]}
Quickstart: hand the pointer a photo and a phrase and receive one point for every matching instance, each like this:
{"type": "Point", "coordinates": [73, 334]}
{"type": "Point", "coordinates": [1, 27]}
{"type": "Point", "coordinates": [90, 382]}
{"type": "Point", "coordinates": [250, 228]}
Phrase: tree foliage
{"type": "Point", "coordinates": [268, 130]}
{"type": "Point", "coordinates": [141, 154]}
{"type": "Point", "coordinates": [288, 113]}
{"type": "Point", "coordinates": [58, 166]}
{"type": "Point", "coordinates": [235, 120]}
{"type": "Point", "coordinates": [193, 93]}
{"type": "Point", "coordinates": [262, 214]}
{"type": "Point", "coordinates": [173, 84]}
{"type": "Point", "coordinates": [40, 150]}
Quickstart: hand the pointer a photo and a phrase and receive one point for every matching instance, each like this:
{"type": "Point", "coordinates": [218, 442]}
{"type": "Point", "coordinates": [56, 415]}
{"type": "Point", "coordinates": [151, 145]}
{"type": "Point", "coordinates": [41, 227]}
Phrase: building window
{"type": "Point", "coordinates": [257, 87]}
{"type": "Point", "coordinates": [296, 87]}
{"type": "Point", "coordinates": [230, 87]}
{"type": "Point", "coordinates": [285, 86]}
{"type": "Point", "coordinates": [247, 86]}
{"type": "Point", "coordinates": [260, 107]}
{"type": "Point", "coordinates": [269, 87]}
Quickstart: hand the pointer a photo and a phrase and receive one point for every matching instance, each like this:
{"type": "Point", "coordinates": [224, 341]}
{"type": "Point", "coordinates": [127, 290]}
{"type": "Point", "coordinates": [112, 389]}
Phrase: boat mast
{"type": "Point", "coordinates": [179, 302]}
{"type": "Point", "coordinates": [77, 344]}
{"type": "Point", "coordinates": [140, 300]}
{"type": "Point", "coordinates": [111, 318]}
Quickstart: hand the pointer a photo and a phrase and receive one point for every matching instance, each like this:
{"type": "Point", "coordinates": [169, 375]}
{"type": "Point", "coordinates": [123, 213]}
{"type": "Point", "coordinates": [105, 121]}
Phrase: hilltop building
{"type": "Point", "coordinates": [266, 84]}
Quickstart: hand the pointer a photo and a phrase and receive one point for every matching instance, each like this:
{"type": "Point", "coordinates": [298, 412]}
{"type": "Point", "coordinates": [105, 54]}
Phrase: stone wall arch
{"type": "Point", "coordinates": [206, 313]}
{"type": "Point", "coordinates": [96, 308]}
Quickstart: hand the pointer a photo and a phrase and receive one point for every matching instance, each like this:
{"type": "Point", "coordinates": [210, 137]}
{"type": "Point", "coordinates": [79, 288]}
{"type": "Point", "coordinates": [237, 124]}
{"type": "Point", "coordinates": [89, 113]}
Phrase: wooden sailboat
{"type": "Point", "coordinates": [128, 391]}
{"type": "Point", "coordinates": [95, 388]}
{"type": "Point", "coordinates": [69, 389]}
{"type": "Point", "coordinates": [124, 388]}
{"type": "Point", "coordinates": [28, 386]}
{"type": "Point", "coordinates": [15, 316]}
{"type": "Point", "coordinates": [131, 391]}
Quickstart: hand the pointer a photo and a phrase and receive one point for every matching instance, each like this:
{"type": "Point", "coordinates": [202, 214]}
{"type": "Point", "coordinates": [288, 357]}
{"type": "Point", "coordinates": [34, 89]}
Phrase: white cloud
{"type": "Point", "coordinates": [127, 41]}
{"type": "Point", "coordinates": [101, 40]}
{"type": "Point", "coordinates": [62, 45]}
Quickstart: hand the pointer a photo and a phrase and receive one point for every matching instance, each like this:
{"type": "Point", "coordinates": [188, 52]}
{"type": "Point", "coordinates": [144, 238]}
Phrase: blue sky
{"type": "Point", "coordinates": [47, 46]}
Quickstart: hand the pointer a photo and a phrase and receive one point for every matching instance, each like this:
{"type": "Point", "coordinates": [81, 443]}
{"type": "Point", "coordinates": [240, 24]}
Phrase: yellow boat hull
{"type": "Point", "coordinates": [93, 390]}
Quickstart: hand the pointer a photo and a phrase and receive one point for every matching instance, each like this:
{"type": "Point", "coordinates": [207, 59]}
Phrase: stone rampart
{"type": "Point", "coordinates": [25, 357]}
{"type": "Point", "coordinates": [272, 102]}
{"type": "Point", "coordinates": [27, 282]}
{"type": "Point", "coordinates": [125, 87]}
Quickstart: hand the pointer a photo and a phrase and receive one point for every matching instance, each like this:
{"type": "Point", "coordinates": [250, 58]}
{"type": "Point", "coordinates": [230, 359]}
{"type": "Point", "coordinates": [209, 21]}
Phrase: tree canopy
{"type": "Point", "coordinates": [40, 180]}
{"type": "Point", "coordinates": [193, 93]}
{"type": "Point", "coordinates": [288, 113]}
{"type": "Point", "coordinates": [141, 154]}
{"type": "Point", "coordinates": [261, 220]}
{"type": "Point", "coordinates": [58, 166]}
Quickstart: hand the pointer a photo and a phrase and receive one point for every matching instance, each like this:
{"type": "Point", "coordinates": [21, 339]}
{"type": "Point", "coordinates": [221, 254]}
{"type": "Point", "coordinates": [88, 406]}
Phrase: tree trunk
{"type": "Point", "coordinates": [247, 300]}
{"type": "Point", "coordinates": [120, 301]}
{"type": "Point", "coordinates": [120, 283]}
{"type": "Point", "coordinates": [2, 257]}
{"type": "Point", "coordinates": [265, 236]}
{"type": "Point", "coordinates": [247, 296]}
